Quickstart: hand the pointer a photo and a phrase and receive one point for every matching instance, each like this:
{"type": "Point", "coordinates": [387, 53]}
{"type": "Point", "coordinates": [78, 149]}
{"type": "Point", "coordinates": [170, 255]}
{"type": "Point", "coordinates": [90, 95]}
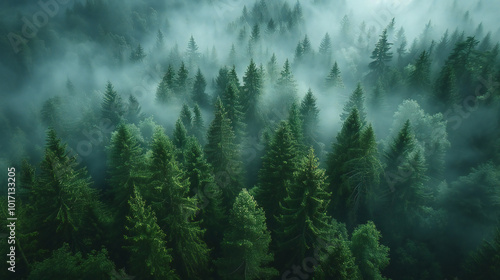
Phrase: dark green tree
{"type": "Point", "coordinates": [334, 79]}
{"type": "Point", "coordinates": [381, 55]}
{"type": "Point", "coordinates": [420, 76]}
{"type": "Point", "coordinates": [138, 54]}
{"type": "Point", "coordinates": [186, 117]}
{"type": "Point", "coordinates": [180, 139]}
{"type": "Point", "coordinates": [166, 86]}
{"type": "Point", "coordinates": [198, 125]}
{"type": "Point", "coordinates": [310, 119]}
{"type": "Point", "coordinates": [199, 96]}
{"type": "Point", "coordinates": [250, 94]}
{"type": "Point", "coordinates": [484, 263]}
{"type": "Point", "coordinates": [192, 53]}
{"type": "Point", "coordinates": [231, 100]}
{"type": "Point", "coordinates": [133, 113]}
{"type": "Point", "coordinates": [325, 48]}
{"type": "Point", "coordinates": [278, 165]}
{"type": "Point", "coordinates": [295, 123]}
{"type": "Point", "coordinates": [149, 256]}
{"type": "Point", "coordinates": [112, 107]}
{"type": "Point", "coordinates": [181, 82]}
{"type": "Point", "coordinates": [302, 215]}
{"type": "Point", "coordinates": [356, 100]}
{"type": "Point", "coordinates": [222, 154]}
{"type": "Point", "coordinates": [246, 242]}
{"type": "Point", "coordinates": [286, 88]}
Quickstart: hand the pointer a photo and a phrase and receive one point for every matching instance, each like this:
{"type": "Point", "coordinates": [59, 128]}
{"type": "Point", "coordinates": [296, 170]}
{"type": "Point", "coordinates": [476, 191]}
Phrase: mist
{"type": "Point", "coordinates": [432, 190]}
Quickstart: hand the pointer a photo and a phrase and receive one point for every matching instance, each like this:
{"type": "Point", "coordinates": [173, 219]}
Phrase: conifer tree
{"type": "Point", "coordinates": [199, 96]}
{"type": "Point", "coordinates": [278, 165]}
{"type": "Point", "coordinates": [168, 195]}
{"type": "Point", "coordinates": [445, 88]}
{"type": "Point", "coordinates": [198, 125]}
{"type": "Point", "coordinates": [166, 85]}
{"type": "Point", "coordinates": [221, 82]}
{"type": "Point", "coordinates": [180, 139]}
{"type": "Point", "coordinates": [255, 35]}
{"type": "Point", "coordinates": [344, 150]}
{"type": "Point", "coordinates": [334, 79]}
{"type": "Point", "coordinates": [325, 47]}
{"type": "Point", "coordinates": [251, 91]}
{"type": "Point", "coordinates": [138, 54]}
{"type": "Point", "coordinates": [133, 113]}
{"type": "Point", "coordinates": [295, 123]}
{"type": "Point", "coordinates": [146, 242]}
{"type": "Point", "coordinates": [356, 100]}
{"type": "Point", "coordinates": [381, 55]}
{"type": "Point", "coordinates": [62, 198]}
{"type": "Point", "coordinates": [192, 53]}
{"type": "Point", "coordinates": [181, 82]}
{"type": "Point", "coordinates": [419, 77]}
{"type": "Point", "coordinates": [371, 256]}
{"type": "Point", "coordinates": [272, 69]}
{"type": "Point", "coordinates": [302, 218]}
{"type": "Point", "coordinates": [222, 154]}
{"type": "Point", "coordinates": [309, 112]}
{"type": "Point", "coordinates": [231, 101]}
{"type": "Point", "coordinates": [186, 117]}
{"type": "Point", "coordinates": [246, 242]}
{"type": "Point", "coordinates": [112, 105]}
{"type": "Point", "coordinates": [271, 27]}
{"type": "Point", "coordinates": [286, 88]}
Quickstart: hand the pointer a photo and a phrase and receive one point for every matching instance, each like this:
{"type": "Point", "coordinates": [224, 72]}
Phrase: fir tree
{"type": "Point", "coordinates": [419, 77]}
{"type": "Point", "coordinates": [168, 195]}
{"type": "Point", "coordinates": [286, 88]}
{"type": "Point", "coordinates": [356, 100]}
{"type": "Point", "coordinates": [231, 100]}
{"type": "Point", "coordinates": [325, 47]}
{"type": "Point", "coordinates": [133, 114]}
{"type": "Point", "coordinates": [255, 35]}
{"type": "Point", "coordinates": [166, 85]}
{"type": "Point", "coordinates": [334, 79]}
{"type": "Point", "coordinates": [198, 95]}
{"type": "Point", "coordinates": [150, 256]}
{"type": "Point", "coordinates": [309, 112]}
{"type": "Point", "coordinates": [271, 27]}
{"type": "Point", "coordinates": [272, 69]}
{"type": "Point", "coordinates": [251, 91]}
{"type": "Point", "coordinates": [278, 165]}
{"type": "Point", "coordinates": [186, 117]}
{"type": "Point", "coordinates": [198, 125]}
{"type": "Point", "coordinates": [138, 54]}
{"type": "Point", "coordinates": [302, 219]}
{"type": "Point", "coordinates": [381, 55]}
{"type": "Point", "coordinates": [371, 256]}
{"type": "Point", "coordinates": [180, 139]}
{"type": "Point", "coordinates": [246, 242]}
{"type": "Point", "coordinates": [445, 88]}
{"type": "Point", "coordinates": [181, 82]}
{"type": "Point", "coordinates": [295, 123]}
{"type": "Point", "coordinates": [112, 105]}
{"type": "Point", "coordinates": [192, 53]}
{"type": "Point", "coordinates": [222, 154]}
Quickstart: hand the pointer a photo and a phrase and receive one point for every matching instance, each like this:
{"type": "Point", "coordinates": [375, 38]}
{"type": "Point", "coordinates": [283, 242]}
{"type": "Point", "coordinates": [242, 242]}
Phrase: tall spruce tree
{"type": "Point", "coordinates": [181, 81]}
{"type": "Point", "coordinates": [112, 107]}
{"type": "Point", "coordinates": [309, 112]}
{"type": "Point", "coordinates": [420, 76]}
{"type": "Point", "coordinates": [302, 215]}
{"type": "Point", "coordinates": [168, 195]}
{"type": "Point", "coordinates": [356, 100]}
{"type": "Point", "coordinates": [222, 154]}
{"type": "Point", "coordinates": [278, 165]}
{"type": "Point", "coordinates": [251, 92]}
{"type": "Point", "coordinates": [198, 125]}
{"type": "Point", "coordinates": [149, 256]}
{"type": "Point", "coordinates": [246, 242]}
{"type": "Point", "coordinates": [381, 55]}
{"type": "Point", "coordinates": [334, 79]}
{"type": "Point", "coordinates": [231, 100]}
{"type": "Point", "coordinates": [198, 95]}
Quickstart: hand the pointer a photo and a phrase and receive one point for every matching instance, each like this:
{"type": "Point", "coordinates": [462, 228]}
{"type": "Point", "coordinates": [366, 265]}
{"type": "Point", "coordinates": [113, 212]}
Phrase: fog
{"type": "Point", "coordinates": [65, 52]}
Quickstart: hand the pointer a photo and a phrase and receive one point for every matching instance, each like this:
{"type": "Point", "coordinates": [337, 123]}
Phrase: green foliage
{"type": "Point", "coordinates": [250, 94]}
{"type": "Point", "coordinates": [381, 55]}
{"type": "Point", "coordinates": [232, 103]}
{"type": "Point", "coordinates": [302, 215]}
{"type": "Point", "coordinates": [484, 263]}
{"type": "Point", "coordinates": [199, 95]}
{"type": "Point", "coordinates": [419, 78]}
{"type": "Point", "coordinates": [334, 79]}
{"type": "Point", "coordinates": [63, 264]}
{"type": "Point", "coordinates": [310, 119]}
{"type": "Point", "coordinates": [371, 256]}
{"type": "Point", "coordinates": [112, 105]}
{"type": "Point", "coordinates": [198, 124]}
{"type": "Point", "coordinates": [149, 256]}
{"type": "Point", "coordinates": [246, 242]}
{"type": "Point", "coordinates": [356, 100]}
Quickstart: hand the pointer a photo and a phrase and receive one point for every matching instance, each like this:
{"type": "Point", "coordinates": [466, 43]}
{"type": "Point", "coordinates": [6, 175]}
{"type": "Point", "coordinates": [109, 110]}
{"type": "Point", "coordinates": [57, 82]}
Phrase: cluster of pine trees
{"type": "Point", "coordinates": [246, 183]}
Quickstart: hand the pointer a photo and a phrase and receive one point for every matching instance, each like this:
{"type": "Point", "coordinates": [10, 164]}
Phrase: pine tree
{"type": "Point", "coordinates": [222, 154]}
{"type": "Point", "coordinates": [325, 48]}
{"type": "Point", "coordinates": [356, 100]}
{"type": "Point", "coordinates": [181, 82]}
{"type": "Point", "coordinates": [124, 168]}
{"type": "Point", "coordinates": [199, 95]}
{"type": "Point", "coordinates": [112, 105]}
{"type": "Point", "coordinates": [231, 100]}
{"type": "Point", "coordinates": [251, 91]}
{"type": "Point", "coordinates": [306, 47]}
{"type": "Point", "coordinates": [286, 88]}
{"type": "Point", "coordinates": [138, 54]}
{"type": "Point", "coordinates": [295, 123]}
{"type": "Point", "coordinates": [198, 125]}
{"type": "Point", "coordinates": [272, 69]}
{"type": "Point", "coordinates": [192, 53]}
{"type": "Point", "coordinates": [186, 117]}
{"type": "Point", "coordinates": [419, 77]}
{"type": "Point", "coordinates": [309, 112]}
{"type": "Point", "coordinates": [334, 79]}
{"type": "Point", "coordinates": [180, 139]}
{"type": "Point", "coordinates": [62, 198]}
{"type": "Point", "coordinates": [168, 195]}
{"type": "Point", "coordinates": [445, 88]}
{"type": "Point", "coordinates": [246, 242]}
{"type": "Point", "coordinates": [278, 165]}
{"type": "Point", "coordinates": [381, 55]}
{"type": "Point", "coordinates": [302, 219]}
{"type": "Point", "coordinates": [166, 85]}
{"type": "Point", "coordinates": [233, 56]}
{"type": "Point", "coordinates": [255, 35]}
{"type": "Point", "coordinates": [160, 40]}
{"type": "Point", "coordinates": [221, 82]}
{"type": "Point", "coordinates": [150, 256]}
{"type": "Point", "coordinates": [271, 27]}
{"type": "Point", "coordinates": [371, 256]}
{"type": "Point", "coordinates": [344, 150]}
{"type": "Point", "coordinates": [133, 114]}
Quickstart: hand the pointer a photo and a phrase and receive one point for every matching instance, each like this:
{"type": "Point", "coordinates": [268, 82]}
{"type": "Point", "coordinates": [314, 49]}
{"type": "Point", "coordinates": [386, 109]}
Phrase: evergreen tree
{"type": "Point", "coordinates": [198, 95]}
{"type": "Point", "coordinates": [271, 27]}
{"type": "Point", "coordinates": [222, 154]}
{"type": "Point", "coordinates": [133, 114]}
{"type": "Point", "coordinates": [484, 263]}
{"type": "Point", "coordinates": [356, 100]}
{"type": "Point", "coordinates": [198, 125]}
{"type": "Point", "coordinates": [246, 242]}
{"type": "Point", "coordinates": [62, 198]}
{"type": "Point", "coordinates": [112, 105]}
{"type": "Point", "coordinates": [295, 123]}
{"type": "Point", "coordinates": [344, 151]}
{"type": "Point", "coordinates": [419, 77]}
{"type": "Point", "coordinates": [286, 88]}
{"type": "Point", "coordinates": [186, 117]}
{"type": "Point", "coordinates": [221, 82]}
{"type": "Point", "coordinates": [302, 219]}
{"type": "Point", "coordinates": [334, 79]}
{"type": "Point", "coordinates": [231, 100]}
{"type": "Point", "coordinates": [306, 46]}
{"type": "Point", "coordinates": [445, 88]}
{"type": "Point", "coordinates": [309, 112]}
{"type": "Point", "coordinates": [181, 82]}
{"type": "Point", "coordinates": [251, 91]}
{"type": "Point", "coordinates": [278, 165]}
{"type": "Point", "coordinates": [325, 48]}
{"type": "Point", "coordinates": [180, 139]}
{"type": "Point", "coordinates": [272, 69]}
{"type": "Point", "coordinates": [138, 54]}
{"type": "Point", "coordinates": [192, 53]}
{"type": "Point", "coordinates": [150, 256]}
{"type": "Point", "coordinates": [255, 35]}
{"type": "Point", "coordinates": [381, 55]}
{"type": "Point", "coordinates": [371, 256]}
{"type": "Point", "coordinates": [166, 85]}
{"type": "Point", "coordinates": [168, 195]}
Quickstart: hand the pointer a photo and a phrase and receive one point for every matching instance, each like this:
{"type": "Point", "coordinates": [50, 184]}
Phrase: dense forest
{"type": "Point", "coordinates": [251, 139]}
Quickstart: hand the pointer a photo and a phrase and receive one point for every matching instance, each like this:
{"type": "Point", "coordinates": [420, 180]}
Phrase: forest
{"type": "Point", "coordinates": [250, 139]}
